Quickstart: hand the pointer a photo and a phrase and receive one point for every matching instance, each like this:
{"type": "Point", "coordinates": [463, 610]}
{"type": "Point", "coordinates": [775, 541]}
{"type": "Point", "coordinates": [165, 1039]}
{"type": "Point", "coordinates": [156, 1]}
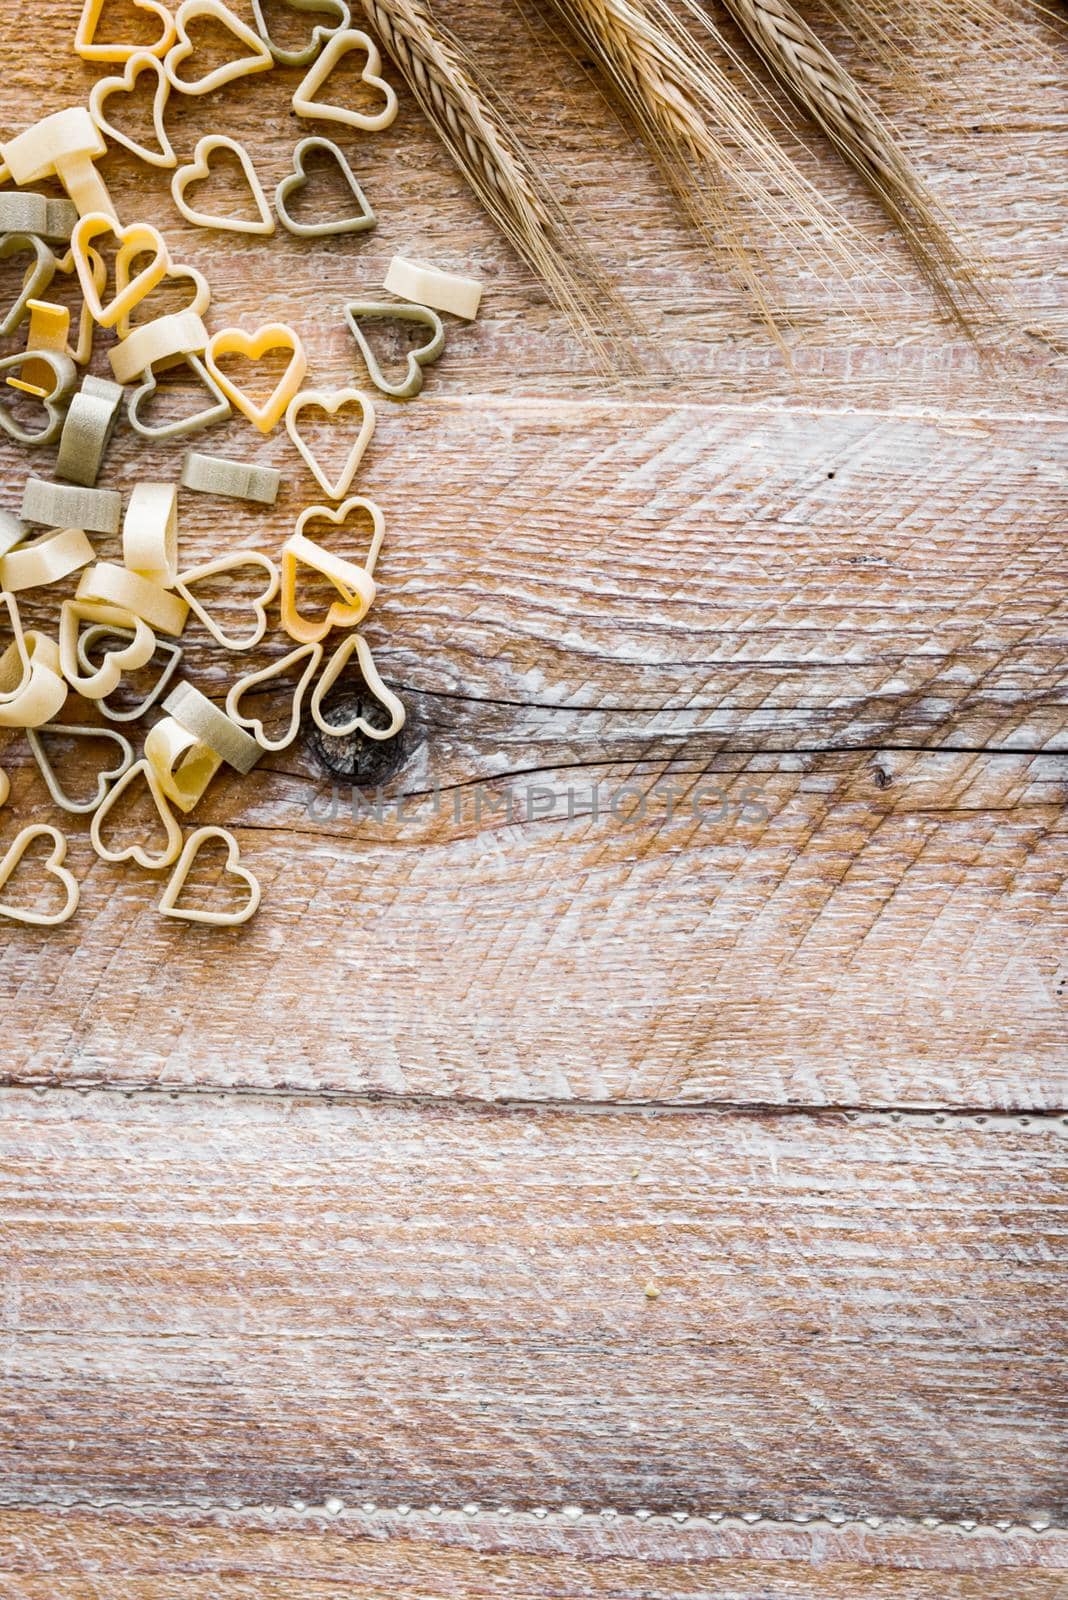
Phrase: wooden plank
{"type": "Point", "coordinates": [779, 579]}
{"type": "Point", "coordinates": [865, 928]}
{"type": "Point", "coordinates": [257, 1555]}
{"type": "Point", "coordinates": [994, 157]}
{"type": "Point", "coordinates": [242, 1301]}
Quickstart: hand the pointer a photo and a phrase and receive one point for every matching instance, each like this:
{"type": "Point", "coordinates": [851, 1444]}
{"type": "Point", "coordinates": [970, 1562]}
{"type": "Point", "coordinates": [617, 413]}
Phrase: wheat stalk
{"type": "Point", "coordinates": [497, 168]}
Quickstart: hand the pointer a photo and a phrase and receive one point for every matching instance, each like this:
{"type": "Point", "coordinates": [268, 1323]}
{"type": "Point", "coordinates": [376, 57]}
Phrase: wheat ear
{"type": "Point", "coordinates": [714, 150]}
{"type": "Point", "coordinates": [496, 166]}
{"type": "Point", "coordinates": [824, 90]}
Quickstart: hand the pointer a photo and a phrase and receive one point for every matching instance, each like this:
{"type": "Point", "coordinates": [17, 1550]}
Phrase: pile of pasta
{"type": "Point", "coordinates": [128, 615]}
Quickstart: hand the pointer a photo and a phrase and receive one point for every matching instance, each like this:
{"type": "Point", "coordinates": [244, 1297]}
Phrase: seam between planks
{"type": "Point", "coordinates": [335, 1510]}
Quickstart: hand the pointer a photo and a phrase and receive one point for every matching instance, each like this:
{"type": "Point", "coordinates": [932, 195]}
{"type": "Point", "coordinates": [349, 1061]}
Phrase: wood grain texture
{"type": "Point", "coordinates": [245, 1300]}
{"type": "Point", "coordinates": [174, 1555]}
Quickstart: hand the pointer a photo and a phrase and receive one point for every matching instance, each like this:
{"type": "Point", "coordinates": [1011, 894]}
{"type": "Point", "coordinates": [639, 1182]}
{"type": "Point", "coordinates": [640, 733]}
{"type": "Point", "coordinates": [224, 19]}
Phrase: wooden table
{"type": "Point", "coordinates": [561, 1203]}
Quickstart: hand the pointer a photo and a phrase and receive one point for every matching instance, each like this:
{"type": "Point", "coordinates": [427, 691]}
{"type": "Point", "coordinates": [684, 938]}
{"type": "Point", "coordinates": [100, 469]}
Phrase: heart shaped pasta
{"type": "Point", "coordinates": [35, 738]}
{"type": "Point", "coordinates": [314, 653]}
{"type": "Point", "coordinates": [357, 645]}
{"type": "Point", "coordinates": [152, 862]}
{"type": "Point", "coordinates": [258, 59]}
{"type": "Point", "coordinates": [357, 591]}
{"type": "Point", "coordinates": [360, 311]}
{"type": "Point", "coordinates": [142, 61]}
{"type": "Point", "coordinates": [53, 868]}
{"type": "Point", "coordinates": [332, 403]}
{"type": "Point", "coordinates": [199, 169]}
{"type": "Point", "coordinates": [254, 346]}
{"type": "Point", "coordinates": [232, 563]}
{"type": "Point", "coordinates": [171, 652]}
{"type": "Point", "coordinates": [85, 40]}
{"type": "Point", "coordinates": [139, 238]}
{"type": "Point", "coordinates": [306, 102]}
{"type": "Point", "coordinates": [104, 679]}
{"type": "Point", "coordinates": [355, 584]}
{"type": "Point", "coordinates": [184, 764]}
{"type": "Point", "coordinates": [320, 34]}
{"type": "Point", "coordinates": [217, 919]}
{"type": "Point", "coordinates": [64, 377]}
{"type": "Point", "coordinates": [360, 222]}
